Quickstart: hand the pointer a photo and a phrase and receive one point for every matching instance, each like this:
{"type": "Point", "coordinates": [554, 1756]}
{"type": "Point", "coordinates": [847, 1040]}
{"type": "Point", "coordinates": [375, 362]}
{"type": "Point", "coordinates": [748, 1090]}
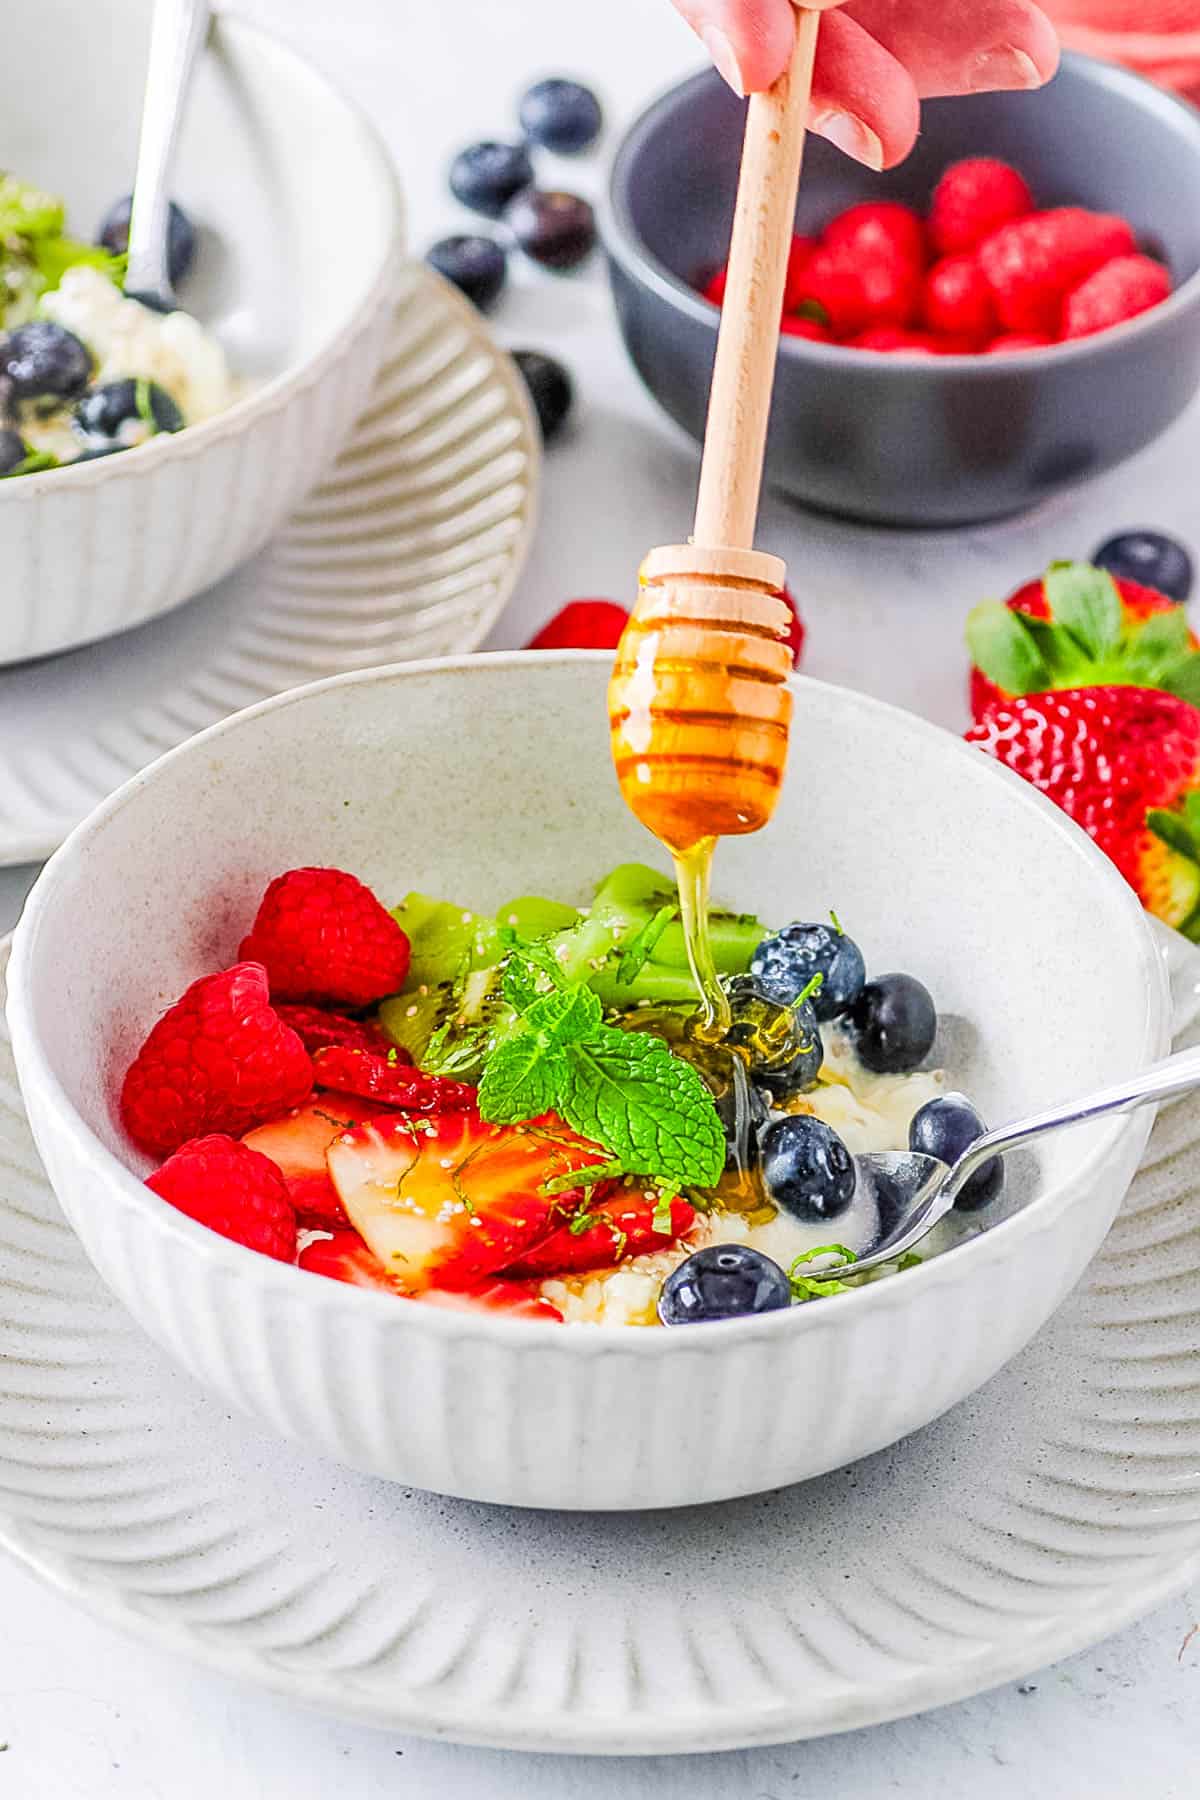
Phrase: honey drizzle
{"type": "Point", "coordinates": [692, 871]}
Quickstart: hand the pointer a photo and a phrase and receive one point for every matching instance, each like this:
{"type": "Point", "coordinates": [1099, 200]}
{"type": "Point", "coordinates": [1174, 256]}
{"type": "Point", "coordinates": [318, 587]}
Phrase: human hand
{"type": "Point", "coordinates": [877, 59]}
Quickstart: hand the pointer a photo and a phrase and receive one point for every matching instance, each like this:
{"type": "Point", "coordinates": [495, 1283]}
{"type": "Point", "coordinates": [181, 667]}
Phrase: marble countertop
{"type": "Point", "coordinates": [87, 1715]}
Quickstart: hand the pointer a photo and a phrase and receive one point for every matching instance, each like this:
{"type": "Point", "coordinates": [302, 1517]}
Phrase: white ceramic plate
{"type": "Point", "coordinates": [1057, 1504]}
{"type": "Point", "coordinates": [410, 548]}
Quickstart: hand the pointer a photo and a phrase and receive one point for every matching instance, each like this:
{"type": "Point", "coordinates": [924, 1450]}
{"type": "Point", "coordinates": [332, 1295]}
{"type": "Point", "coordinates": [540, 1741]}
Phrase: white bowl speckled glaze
{"type": "Point", "coordinates": [300, 229]}
{"type": "Point", "coordinates": [480, 777]}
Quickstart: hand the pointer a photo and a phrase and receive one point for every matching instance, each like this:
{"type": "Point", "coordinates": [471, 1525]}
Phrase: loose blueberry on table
{"type": "Point", "coordinates": [486, 176]}
{"type": "Point", "coordinates": [550, 389]}
{"type": "Point", "coordinates": [561, 115]}
{"type": "Point", "coordinates": [476, 265]}
{"type": "Point", "coordinates": [553, 228]}
{"type": "Point", "coordinates": [520, 1113]}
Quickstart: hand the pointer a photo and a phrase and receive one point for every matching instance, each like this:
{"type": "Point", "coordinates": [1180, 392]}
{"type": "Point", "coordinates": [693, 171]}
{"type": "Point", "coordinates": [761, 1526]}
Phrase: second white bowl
{"type": "Point", "coordinates": [299, 242]}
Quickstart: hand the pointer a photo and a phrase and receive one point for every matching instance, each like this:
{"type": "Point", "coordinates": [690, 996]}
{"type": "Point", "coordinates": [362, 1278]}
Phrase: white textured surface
{"type": "Point", "coordinates": [90, 1715]}
{"type": "Point", "coordinates": [409, 547]}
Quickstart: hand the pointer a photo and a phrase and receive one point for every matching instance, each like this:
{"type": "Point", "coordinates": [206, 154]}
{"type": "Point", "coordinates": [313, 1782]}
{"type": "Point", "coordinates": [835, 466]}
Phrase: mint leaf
{"type": "Point", "coordinates": [1005, 650]}
{"type": "Point", "coordinates": [27, 212]}
{"type": "Point", "coordinates": [640, 947]}
{"type": "Point", "coordinates": [1174, 831]}
{"type": "Point", "coordinates": [1183, 678]}
{"type": "Point", "coordinates": [526, 1072]}
{"type": "Point", "coordinates": [648, 1108]}
{"type": "Point", "coordinates": [535, 954]}
{"type": "Point", "coordinates": [1085, 600]}
{"type": "Point", "coordinates": [518, 984]}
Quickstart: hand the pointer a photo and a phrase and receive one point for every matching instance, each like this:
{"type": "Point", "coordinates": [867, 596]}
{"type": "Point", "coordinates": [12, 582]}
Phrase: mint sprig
{"type": "Point", "coordinates": [624, 1090]}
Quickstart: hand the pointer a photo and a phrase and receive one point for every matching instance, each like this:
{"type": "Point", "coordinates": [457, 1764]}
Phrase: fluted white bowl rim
{"type": "Point", "coordinates": [965, 1261]}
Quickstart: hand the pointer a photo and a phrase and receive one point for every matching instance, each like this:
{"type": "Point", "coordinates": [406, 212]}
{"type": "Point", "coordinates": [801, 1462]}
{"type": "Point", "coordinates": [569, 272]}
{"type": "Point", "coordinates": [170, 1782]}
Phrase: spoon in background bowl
{"type": "Point", "coordinates": [916, 1191]}
{"type": "Point", "coordinates": [178, 33]}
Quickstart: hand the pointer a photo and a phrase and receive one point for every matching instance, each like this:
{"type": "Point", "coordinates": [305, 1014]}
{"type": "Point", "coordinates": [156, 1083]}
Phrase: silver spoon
{"type": "Point", "coordinates": [919, 1190]}
{"type": "Point", "coordinates": [177, 35]}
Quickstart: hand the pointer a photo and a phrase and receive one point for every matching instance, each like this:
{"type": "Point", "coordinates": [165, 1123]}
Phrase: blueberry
{"type": "Point", "coordinates": [555, 229]}
{"type": "Point", "coordinates": [725, 1097]}
{"type": "Point", "coordinates": [769, 1035]}
{"type": "Point", "coordinates": [723, 1281]}
{"type": "Point", "coordinates": [486, 176]}
{"type": "Point", "coordinates": [181, 236]}
{"type": "Point", "coordinates": [1150, 557]}
{"type": "Point", "coordinates": [894, 1024]}
{"type": "Point", "coordinates": [12, 451]}
{"type": "Point", "coordinates": [43, 358]}
{"type": "Point", "coordinates": [800, 1074]}
{"type": "Point", "coordinates": [122, 413]}
{"type": "Point", "coordinates": [944, 1128]}
{"type": "Point", "coordinates": [476, 265]}
{"type": "Point", "coordinates": [806, 1168]}
{"type": "Point", "coordinates": [561, 115]}
{"type": "Point", "coordinates": [787, 962]}
{"type": "Point", "coordinates": [550, 389]}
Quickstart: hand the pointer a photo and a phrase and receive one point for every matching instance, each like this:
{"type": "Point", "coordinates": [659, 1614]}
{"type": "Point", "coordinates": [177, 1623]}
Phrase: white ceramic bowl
{"type": "Point", "coordinates": [299, 221]}
{"type": "Point", "coordinates": [473, 778]}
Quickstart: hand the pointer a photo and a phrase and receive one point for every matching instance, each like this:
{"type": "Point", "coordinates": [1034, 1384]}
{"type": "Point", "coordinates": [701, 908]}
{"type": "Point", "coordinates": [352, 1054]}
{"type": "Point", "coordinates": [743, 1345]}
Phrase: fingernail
{"type": "Point", "coordinates": [724, 61]}
{"type": "Point", "coordinates": [1004, 66]}
{"type": "Point", "coordinates": [848, 133]}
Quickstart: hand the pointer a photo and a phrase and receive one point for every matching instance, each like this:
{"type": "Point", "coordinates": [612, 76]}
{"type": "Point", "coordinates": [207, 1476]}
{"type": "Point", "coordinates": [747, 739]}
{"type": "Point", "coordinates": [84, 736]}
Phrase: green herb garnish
{"type": "Point", "coordinates": [816, 1286]}
{"type": "Point", "coordinates": [641, 946]}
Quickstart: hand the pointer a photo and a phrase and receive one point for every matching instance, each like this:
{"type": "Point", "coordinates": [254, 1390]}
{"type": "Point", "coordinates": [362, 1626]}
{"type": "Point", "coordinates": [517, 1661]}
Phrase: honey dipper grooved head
{"type": "Point", "coordinates": [699, 706]}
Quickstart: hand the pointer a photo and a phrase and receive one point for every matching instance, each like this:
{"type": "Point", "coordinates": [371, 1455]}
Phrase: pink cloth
{"type": "Point", "coordinates": [1159, 38]}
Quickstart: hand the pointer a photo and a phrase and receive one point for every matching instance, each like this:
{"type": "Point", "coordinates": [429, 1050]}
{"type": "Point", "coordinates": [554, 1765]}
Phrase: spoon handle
{"type": "Point", "coordinates": [177, 34]}
{"type": "Point", "coordinates": [1174, 1075]}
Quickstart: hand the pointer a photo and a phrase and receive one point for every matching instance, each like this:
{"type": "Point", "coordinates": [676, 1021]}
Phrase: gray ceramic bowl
{"type": "Point", "coordinates": [915, 440]}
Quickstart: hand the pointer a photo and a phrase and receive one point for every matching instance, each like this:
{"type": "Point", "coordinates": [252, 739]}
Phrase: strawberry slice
{"type": "Point", "coordinates": [344, 1257]}
{"type": "Point", "coordinates": [297, 1143]}
{"type": "Point", "coordinates": [497, 1296]}
{"type": "Point", "coordinates": [620, 1226]}
{"type": "Point", "coordinates": [389, 1080]}
{"type": "Point", "coordinates": [447, 1201]}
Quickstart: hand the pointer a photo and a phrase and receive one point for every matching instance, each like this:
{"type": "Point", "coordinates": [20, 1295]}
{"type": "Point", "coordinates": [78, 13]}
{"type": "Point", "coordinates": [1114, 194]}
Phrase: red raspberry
{"type": "Point", "coordinates": [973, 199]}
{"type": "Point", "coordinates": [218, 1060]}
{"type": "Point", "coordinates": [317, 1029]}
{"type": "Point", "coordinates": [799, 256]}
{"type": "Point", "coordinates": [857, 290]}
{"type": "Point", "coordinates": [879, 228]}
{"type": "Point", "coordinates": [806, 328]}
{"type": "Point", "coordinates": [888, 338]}
{"type": "Point", "coordinates": [1122, 289]}
{"type": "Point", "coordinates": [323, 937]}
{"type": "Point", "coordinates": [233, 1190]}
{"type": "Point", "coordinates": [958, 300]}
{"type": "Point", "coordinates": [714, 288]}
{"type": "Point", "coordinates": [390, 1082]}
{"type": "Point", "coordinates": [1033, 264]}
{"type": "Point", "coordinates": [582, 625]}
{"type": "Point", "coordinates": [1011, 341]}
{"type": "Point", "coordinates": [796, 634]}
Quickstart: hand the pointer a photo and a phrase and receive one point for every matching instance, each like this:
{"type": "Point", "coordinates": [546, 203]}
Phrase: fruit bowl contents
{"type": "Point", "coordinates": [84, 370]}
{"type": "Point", "coordinates": [984, 272]}
{"type": "Point", "coordinates": [522, 1113]}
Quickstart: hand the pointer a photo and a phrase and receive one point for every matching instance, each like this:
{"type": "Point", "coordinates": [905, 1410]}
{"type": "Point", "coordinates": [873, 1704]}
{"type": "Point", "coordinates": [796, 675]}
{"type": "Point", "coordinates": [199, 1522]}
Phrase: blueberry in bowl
{"type": "Point", "coordinates": [181, 236]}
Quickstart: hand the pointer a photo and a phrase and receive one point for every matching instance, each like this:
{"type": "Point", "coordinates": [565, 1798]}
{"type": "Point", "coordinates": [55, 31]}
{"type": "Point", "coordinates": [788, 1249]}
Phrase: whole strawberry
{"type": "Point", "coordinates": [974, 198]}
{"type": "Point", "coordinates": [582, 625]}
{"type": "Point", "coordinates": [1124, 763]}
{"type": "Point", "coordinates": [1122, 289]}
{"type": "Point", "coordinates": [1034, 263]}
{"type": "Point", "coordinates": [1080, 627]}
{"type": "Point", "coordinates": [877, 228]}
{"type": "Point", "coordinates": [957, 299]}
{"type": "Point", "coordinates": [220, 1060]}
{"type": "Point", "coordinates": [324, 938]}
{"type": "Point", "coordinates": [233, 1190]}
{"type": "Point", "coordinates": [856, 288]}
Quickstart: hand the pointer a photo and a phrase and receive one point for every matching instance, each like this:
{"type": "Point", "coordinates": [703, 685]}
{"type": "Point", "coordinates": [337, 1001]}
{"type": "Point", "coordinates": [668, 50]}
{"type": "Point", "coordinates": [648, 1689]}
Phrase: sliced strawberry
{"type": "Point", "coordinates": [389, 1080]}
{"type": "Point", "coordinates": [344, 1257]}
{"type": "Point", "coordinates": [497, 1296]}
{"type": "Point", "coordinates": [297, 1143]}
{"type": "Point", "coordinates": [603, 1234]}
{"type": "Point", "coordinates": [447, 1201]}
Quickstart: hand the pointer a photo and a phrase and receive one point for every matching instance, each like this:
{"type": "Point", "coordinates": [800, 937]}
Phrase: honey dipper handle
{"type": "Point", "coordinates": [740, 398]}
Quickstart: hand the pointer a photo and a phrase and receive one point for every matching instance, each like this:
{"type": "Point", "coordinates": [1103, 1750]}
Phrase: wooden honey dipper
{"type": "Point", "coordinates": [698, 703]}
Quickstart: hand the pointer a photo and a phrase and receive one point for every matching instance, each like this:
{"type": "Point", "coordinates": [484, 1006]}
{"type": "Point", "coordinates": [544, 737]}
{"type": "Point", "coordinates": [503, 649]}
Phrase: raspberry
{"type": "Point", "coordinates": [973, 199]}
{"type": "Point", "coordinates": [857, 290]}
{"type": "Point", "coordinates": [1009, 342]}
{"type": "Point", "coordinates": [390, 1082]}
{"type": "Point", "coordinates": [887, 338]}
{"type": "Point", "coordinates": [714, 288]}
{"type": "Point", "coordinates": [323, 937]}
{"type": "Point", "coordinates": [233, 1190]}
{"type": "Point", "coordinates": [1034, 264]}
{"type": "Point", "coordinates": [796, 633]}
{"type": "Point", "coordinates": [318, 1029]}
{"type": "Point", "coordinates": [1122, 289]}
{"type": "Point", "coordinates": [799, 256]}
{"type": "Point", "coordinates": [879, 228]}
{"type": "Point", "coordinates": [805, 328]}
{"type": "Point", "coordinates": [958, 300]}
{"type": "Point", "coordinates": [218, 1060]}
{"type": "Point", "coordinates": [582, 625]}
